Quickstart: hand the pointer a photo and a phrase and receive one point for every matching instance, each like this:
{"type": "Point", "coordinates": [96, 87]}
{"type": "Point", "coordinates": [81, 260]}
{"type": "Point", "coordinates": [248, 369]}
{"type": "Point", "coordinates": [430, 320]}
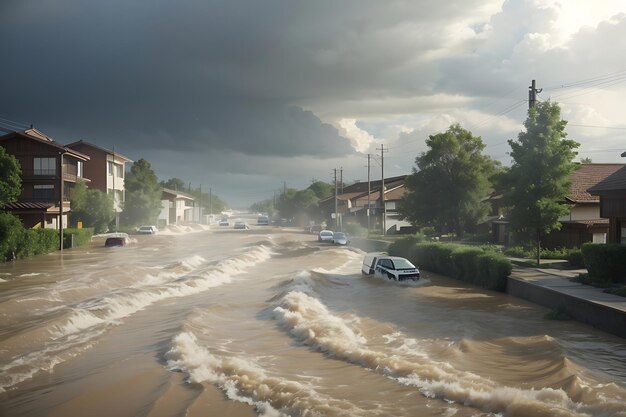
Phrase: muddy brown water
{"type": "Point", "coordinates": [267, 322]}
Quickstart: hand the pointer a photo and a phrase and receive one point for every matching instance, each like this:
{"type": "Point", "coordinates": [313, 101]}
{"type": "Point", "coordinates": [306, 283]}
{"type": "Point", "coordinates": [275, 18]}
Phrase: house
{"type": "Point", "coordinates": [49, 173]}
{"type": "Point", "coordinates": [352, 204]}
{"type": "Point", "coordinates": [584, 222]}
{"type": "Point", "coordinates": [176, 207]}
{"type": "Point", "coordinates": [106, 170]}
{"type": "Point", "coordinates": [612, 193]}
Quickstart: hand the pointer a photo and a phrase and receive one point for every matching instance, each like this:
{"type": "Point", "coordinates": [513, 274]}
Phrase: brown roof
{"type": "Point", "coordinates": [32, 205]}
{"type": "Point", "coordinates": [38, 136]}
{"type": "Point", "coordinates": [587, 176]}
{"type": "Point", "coordinates": [396, 193]}
{"type": "Point", "coordinates": [614, 182]}
{"type": "Point", "coordinates": [91, 145]}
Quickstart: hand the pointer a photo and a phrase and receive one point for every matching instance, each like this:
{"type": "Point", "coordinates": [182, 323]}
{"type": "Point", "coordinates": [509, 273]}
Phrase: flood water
{"type": "Point", "coordinates": [267, 322]}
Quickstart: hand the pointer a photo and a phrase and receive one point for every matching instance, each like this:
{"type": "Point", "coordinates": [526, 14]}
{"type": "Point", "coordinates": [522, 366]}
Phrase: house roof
{"type": "Point", "coordinates": [587, 176]}
{"type": "Point", "coordinates": [177, 194]}
{"type": "Point", "coordinates": [614, 182]}
{"type": "Point", "coordinates": [91, 145]}
{"type": "Point", "coordinates": [395, 193]}
{"type": "Point", "coordinates": [36, 135]}
{"type": "Point", "coordinates": [32, 205]}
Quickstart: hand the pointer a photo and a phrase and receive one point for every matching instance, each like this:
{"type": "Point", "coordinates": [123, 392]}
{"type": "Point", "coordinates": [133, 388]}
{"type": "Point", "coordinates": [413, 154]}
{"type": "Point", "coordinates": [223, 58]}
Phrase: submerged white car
{"type": "Point", "coordinates": [391, 267]}
{"type": "Point", "coordinates": [325, 236]}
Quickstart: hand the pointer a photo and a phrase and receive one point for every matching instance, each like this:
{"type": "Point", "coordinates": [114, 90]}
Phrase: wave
{"type": "Point", "coordinates": [82, 323]}
{"type": "Point", "coordinates": [246, 381]}
{"type": "Point", "coordinates": [313, 325]}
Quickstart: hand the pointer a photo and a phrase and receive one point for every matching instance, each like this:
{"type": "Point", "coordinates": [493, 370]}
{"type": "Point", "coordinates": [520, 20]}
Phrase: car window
{"type": "Point", "coordinates": [386, 263]}
{"type": "Point", "coordinates": [403, 264]}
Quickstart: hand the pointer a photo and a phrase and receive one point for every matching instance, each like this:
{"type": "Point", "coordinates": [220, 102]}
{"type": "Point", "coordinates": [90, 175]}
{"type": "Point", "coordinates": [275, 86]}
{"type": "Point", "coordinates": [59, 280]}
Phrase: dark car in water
{"type": "Point", "coordinates": [120, 239]}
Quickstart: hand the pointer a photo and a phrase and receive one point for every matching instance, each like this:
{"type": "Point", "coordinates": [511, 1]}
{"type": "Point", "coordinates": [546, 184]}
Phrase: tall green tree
{"type": "Point", "coordinates": [93, 207]}
{"type": "Point", "coordinates": [10, 178]}
{"type": "Point", "coordinates": [143, 194]}
{"type": "Point", "coordinates": [538, 179]}
{"type": "Point", "coordinates": [322, 189]}
{"type": "Point", "coordinates": [447, 188]}
{"type": "Point", "coordinates": [174, 184]}
{"type": "Point", "coordinates": [297, 204]}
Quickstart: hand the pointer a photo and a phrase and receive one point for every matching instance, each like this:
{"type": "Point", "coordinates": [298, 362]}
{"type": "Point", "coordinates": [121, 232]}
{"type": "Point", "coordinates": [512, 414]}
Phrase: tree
{"type": "Point", "coordinates": [538, 179]}
{"type": "Point", "coordinates": [93, 207]}
{"type": "Point", "coordinates": [586, 160]}
{"type": "Point", "coordinates": [143, 194]}
{"type": "Point", "coordinates": [322, 189]}
{"type": "Point", "coordinates": [10, 178]}
{"type": "Point", "coordinates": [265, 206]}
{"type": "Point", "coordinates": [297, 204]}
{"type": "Point", "coordinates": [174, 184]}
{"type": "Point", "coordinates": [451, 180]}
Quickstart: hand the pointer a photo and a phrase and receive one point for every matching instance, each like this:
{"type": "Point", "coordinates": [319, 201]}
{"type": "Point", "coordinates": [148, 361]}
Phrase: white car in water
{"type": "Point", "coordinates": [325, 236]}
{"type": "Point", "coordinates": [391, 267]}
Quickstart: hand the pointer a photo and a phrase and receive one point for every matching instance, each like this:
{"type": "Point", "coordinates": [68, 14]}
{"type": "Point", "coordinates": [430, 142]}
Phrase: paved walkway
{"type": "Point", "coordinates": [553, 288]}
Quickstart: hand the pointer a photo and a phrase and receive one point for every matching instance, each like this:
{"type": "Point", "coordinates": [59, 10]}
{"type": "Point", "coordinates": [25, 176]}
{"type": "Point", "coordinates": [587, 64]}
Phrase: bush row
{"type": "Point", "coordinates": [17, 242]}
{"type": "Point", "coordinates": [482, 266]}
{"type": "Point", "coordinates": [606, 263]}
{"type": "Point", "coordinates": [80, 236]}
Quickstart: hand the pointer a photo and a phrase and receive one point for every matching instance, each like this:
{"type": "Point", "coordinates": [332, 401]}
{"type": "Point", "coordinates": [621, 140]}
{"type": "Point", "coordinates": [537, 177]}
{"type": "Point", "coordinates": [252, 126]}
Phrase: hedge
{"type": "Point", "coordinates": [18, 242]}
{"type": "Point", "coordinates": [81, 237]}
{"type": "Point", "coordinates": [606, 263]}
{"type": "Point", "coordinates": [479, 265]}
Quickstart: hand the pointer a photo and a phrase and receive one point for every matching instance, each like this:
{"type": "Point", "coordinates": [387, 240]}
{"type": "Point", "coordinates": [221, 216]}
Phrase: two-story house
{"type": "Point", "coordinates": [176, 207]}
{"type": "Point", "coordinates": [612, 194]}
{"type": "Point", "coordinates": [106, 170]}
{"type": "Point", "coordinates": [49, 173]}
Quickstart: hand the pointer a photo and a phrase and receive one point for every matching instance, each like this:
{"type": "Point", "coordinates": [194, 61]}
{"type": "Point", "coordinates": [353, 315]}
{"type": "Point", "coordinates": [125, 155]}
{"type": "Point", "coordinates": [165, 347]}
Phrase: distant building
{"type": "Point", "coordinates": [106, 170]}
{"type": "Point", "coordinates": [176, 207]}
{"type": "Point", "coordinates": [49, 174]}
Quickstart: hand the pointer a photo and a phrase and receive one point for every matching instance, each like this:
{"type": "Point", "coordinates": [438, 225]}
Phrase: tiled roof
{"type": "Point", "coordinates": [91, 145]}
{"type": "Point", "coordinates": [33, 205]}
{"type": "Point", "coordinates": [587, 176]}
{"type": "Point", "coordinates": [614, 182]}
{"type": "Point", "coordinates": [36, 135]}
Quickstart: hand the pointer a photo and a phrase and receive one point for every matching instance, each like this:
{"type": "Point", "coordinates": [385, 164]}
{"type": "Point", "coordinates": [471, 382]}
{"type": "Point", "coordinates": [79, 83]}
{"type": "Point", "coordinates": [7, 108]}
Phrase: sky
{"type": "Point", "coordinates": [247, 97]}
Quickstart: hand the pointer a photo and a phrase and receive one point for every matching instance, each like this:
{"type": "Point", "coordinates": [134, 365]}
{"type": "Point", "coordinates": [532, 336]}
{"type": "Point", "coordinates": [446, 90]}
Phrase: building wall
{"type": "Point", "coordinates": [583, 212]}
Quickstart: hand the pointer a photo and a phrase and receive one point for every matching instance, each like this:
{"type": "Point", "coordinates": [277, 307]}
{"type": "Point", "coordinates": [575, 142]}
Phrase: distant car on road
{"type": "Point", "coordinates": [224, 222]}
{"type": "Point", "coordinates": [263, 221]}
{"type": "Point", "coordinates": [391, 267]}
{"type": "Point", "coordinates": [119, 239]}
{"type": "Point", "coordinates": [241, 225]}
{"type": "Point", "coordinates": [325, 236]}
{"type": "Point", "coordinates": [147, 230]}
{"type": "Point", "coordinates": [340, 238]}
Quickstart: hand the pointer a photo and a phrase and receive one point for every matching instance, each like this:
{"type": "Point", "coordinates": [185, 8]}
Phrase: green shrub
{"type": "Point", "coordinates": [483, 266]}
{"type": "Point", "coordinates": [465, 262]}
{"type": "Point", "coordinates": [81, 237]}
{"type": "Point", "coordinates": [405, 246]}
{"type": "Point", "coordinates": [516, 252]}
{"type": "Point", "coordinates": [605, 262]}
{"type": "Point", "coordinates": [575, 258]}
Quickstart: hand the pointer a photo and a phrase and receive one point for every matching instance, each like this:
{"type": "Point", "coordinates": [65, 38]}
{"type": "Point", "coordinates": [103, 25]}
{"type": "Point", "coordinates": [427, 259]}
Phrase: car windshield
{"type": "Point", "coordinates": [403, 264]}
{"type": "Point", "coordinates": [326, 233]}
{"type": "Point", "coordinates": [339, 235]}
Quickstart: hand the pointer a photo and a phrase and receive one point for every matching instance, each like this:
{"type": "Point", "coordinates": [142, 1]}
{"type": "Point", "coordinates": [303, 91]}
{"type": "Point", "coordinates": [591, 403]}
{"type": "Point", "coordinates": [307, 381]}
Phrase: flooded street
{"type": "Point", "coordinates": [267, 322]}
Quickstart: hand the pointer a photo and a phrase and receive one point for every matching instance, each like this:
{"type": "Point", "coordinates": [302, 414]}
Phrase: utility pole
{"type": "Point", "coordinates": [341, 180]}
{"type": "Point", "coordinates": [382, 187]}
{"type": "Point", "coordinates": [532, 94]}
{"type": "Point", "coordinates": [61, 154]}
{"type": "Point", "coordinates": [210, 203]}
{"type": "Point", "coordinates": [336, 214]}
{"type": "Point", "coordinates": [200, 206]}
{"type": "Point", "coordinates": [369, 157]}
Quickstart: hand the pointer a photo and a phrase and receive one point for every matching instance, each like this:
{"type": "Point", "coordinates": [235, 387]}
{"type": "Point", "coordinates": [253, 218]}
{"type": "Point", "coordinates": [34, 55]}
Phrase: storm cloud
{"type": "Point", "coordinates": [244, 96]}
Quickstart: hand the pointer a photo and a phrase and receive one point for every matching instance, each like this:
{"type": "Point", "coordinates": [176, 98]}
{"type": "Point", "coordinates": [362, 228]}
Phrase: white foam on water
{"type": "Point", "coordinates": [89, 319]}
{"type": "Point", "coordinates": [311, 323]}
{"type": "Point", "coordinates": [246, 381]}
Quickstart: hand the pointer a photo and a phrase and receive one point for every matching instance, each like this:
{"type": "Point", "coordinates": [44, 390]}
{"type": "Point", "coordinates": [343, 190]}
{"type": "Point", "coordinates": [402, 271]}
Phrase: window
{"type": "Point", "coordinates": [44, 166]}
{"type": "Point", "coordinates": [43, 192]}
{"type": "Point", "coordinates": [79, 169]}
{"type": "Point", "coordinates": [623, 235]}
{"type": "Point", "coordinates": [119, 170]}
{"type": "Point", "coordinates": [599, 238]}
{"type": "Point", "coordinates": [110, 168]}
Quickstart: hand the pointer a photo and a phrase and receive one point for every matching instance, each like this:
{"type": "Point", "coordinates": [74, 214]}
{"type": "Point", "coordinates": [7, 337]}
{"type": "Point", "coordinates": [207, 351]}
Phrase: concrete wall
{"type": "Point", "coordinates": [597, 315]}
